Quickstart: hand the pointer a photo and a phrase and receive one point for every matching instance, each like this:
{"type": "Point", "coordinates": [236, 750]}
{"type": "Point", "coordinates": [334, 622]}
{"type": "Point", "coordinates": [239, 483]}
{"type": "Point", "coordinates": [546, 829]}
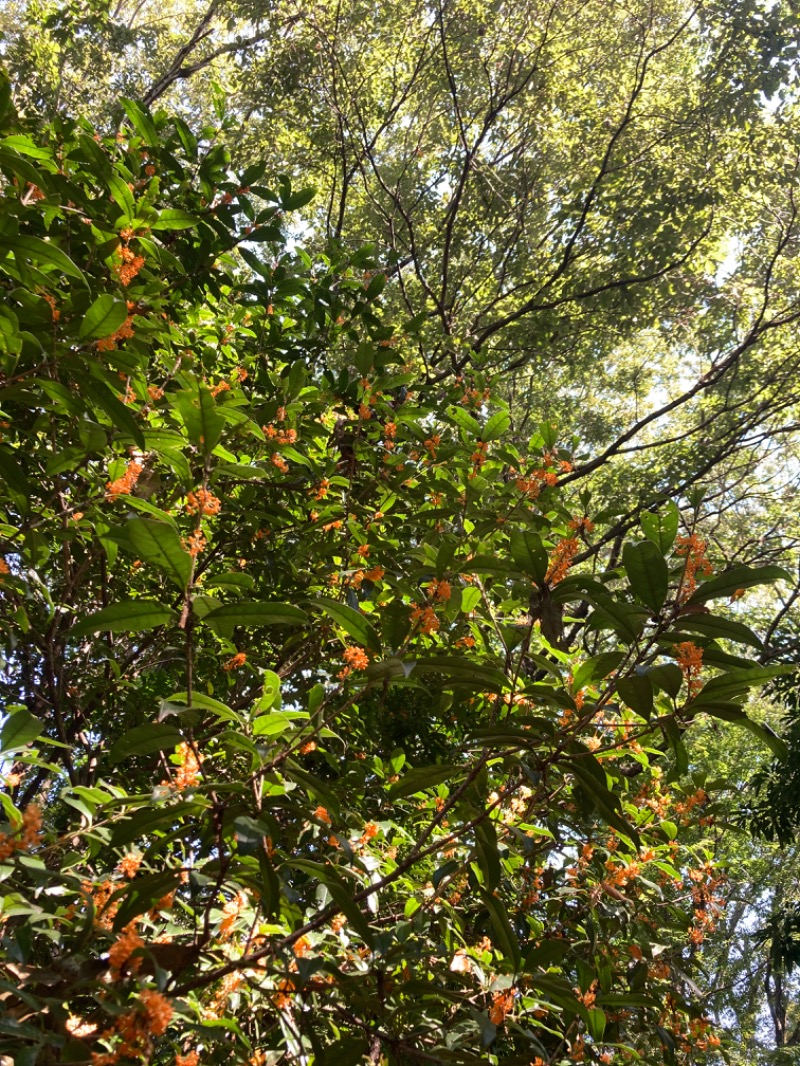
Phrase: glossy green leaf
{"type": "Point", "coordinates": [352, 622]}
{"type": "Point", "coordinates": [19, 729]}
{"type": "Point", "coordinates": [127, 616]}
{"type": "Point", "coordinates": [103, 318]}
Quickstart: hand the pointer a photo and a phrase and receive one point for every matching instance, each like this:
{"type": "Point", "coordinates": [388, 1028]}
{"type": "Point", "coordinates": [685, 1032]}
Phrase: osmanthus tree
{"type": "Point", "coordinates": [327, 736]}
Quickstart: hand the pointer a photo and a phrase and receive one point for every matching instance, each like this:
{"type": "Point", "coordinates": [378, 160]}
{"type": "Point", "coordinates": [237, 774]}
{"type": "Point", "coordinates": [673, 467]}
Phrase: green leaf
{"type": "Point", "coordinates": [529, 554]}
{"type": "Point", "coordinates": [11, 473]}
{"type": "Point", "coordinates": [103, 318]}
{"type": "Point", "coordinates": [422, 778]}
{"type": "Point", "coordinates": [120, 416]}
{"type": "Point", "coordinates": [637, 692]}
{"type": "Point", "coordinates": [738, 577]}
{"type": "Point", "coordinates": [596, 669]}
{"type": "Point", "coordinates": [341, 893]}
{"type": "Point", "coordinates": [647, 572]}
{"type": "Point", "coordinates": [352, 622]}
{"type": "Point", "coordinates": [737, 682]}
{"type": "Point", "coordinates": [42, 252]}
{"type": "Point", "coordinates": [142, 894]}
{"type": "Point", "coordinates": [734, 714]}
{"type": "Point", "coordinates": [719, 628]}
{"type": "Point", "coordinates": [496, 427]}
{"type": "Point", "coordinates": [160, 544]}
{"type": "Point", "coordinates": [203, 420]}
{"type": "Point", "coordinates": [244, 613]}
{"type": "Point", "coordinates": [139, 117]}
{"type": "Point", "coordinates": [505, 936]}
{"type": "Point", "coordinates": [128, 616]}
{"type": "Point", "coordinates": [470, 598]}
{"type": "Point", "coordinates": [667, 677]}
{"type": "Point", "coordinates": [661, 527]}
{"type": "Point", "coordinates": [123, 197]}
{"type": "Point", "coordinates": [174, 218]}
{"type": "Point", "coordinates": [19, 729]}
{"type": "Point", "coordinates": [463, 671]}
{"type": "Point", "coordinates": [144, 740]}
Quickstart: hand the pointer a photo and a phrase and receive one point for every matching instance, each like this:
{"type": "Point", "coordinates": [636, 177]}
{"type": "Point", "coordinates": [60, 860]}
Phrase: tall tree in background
{"type": "Point", "coordinates": [586, 210]}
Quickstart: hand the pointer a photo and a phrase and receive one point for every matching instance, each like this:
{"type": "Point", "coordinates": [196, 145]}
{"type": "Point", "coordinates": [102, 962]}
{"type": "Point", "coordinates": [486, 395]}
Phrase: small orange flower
{"type": "Point", "coordinates": [202, 502]}
{"type": "Point", "coordinates": [158, 1011]}
{"type": "Point", "coordinates": [322, 815]}
{"type": "Point", "coordinates": [129, 865]}
{"type": "Point", "coordinates": [239, 659]}
{"type": "Point", "coordinates": [356, 657]}
{"type": "Point", "coordinates": [123, 486]}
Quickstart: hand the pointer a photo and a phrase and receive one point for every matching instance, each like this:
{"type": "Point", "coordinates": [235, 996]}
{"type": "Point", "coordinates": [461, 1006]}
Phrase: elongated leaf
{"type": "Point", "coordinates": [423, 777]}
{"type": "Point", "coordinates": [141, 121]}
{"type": "Point", "coordinates": [145, 739]}
{"type": "Point", "coordinates": [174, 218]}
{"type": "Point", "coordinates": [341, 893]}
{"type": "Point", "coordinates": [128, 616]}
{"type": "Point", "coordinates": [42, 252]}
{"type": "Point", "coordinates": [719, 628]}
{"type": "Point", "coordinates": [661, 527]}
{"type": "Point", "coordinates": [12, 474]}
{"type": "Point", "coordinates": [142, 894]}
{"type": "Point", "coordinates": [496, 426]}
{"type": "Point", "coordinates": [19, 729]}
{"type": "Point", "coordinates": [738, 577]}
{"type": "Point", "coordinates": [160, 544]}
{"type": "Point", "coordinates": [103, 318]}
{"type": "Point", "coordinates": [123, 197]}
{"type": "Point", "coordinates": [637, 692]}
{"type": "Point", "coordinates": [734, 714]}
{"type": "Point", "coordinates": [505, 936]}
{"type": "Point", "coordinates": [462, 671]}
{"type": "Point", "coordinates": [120, 415]}
{"type": "Point", "coordinates": [737, 682]}
{"type": "Point", "coordinates": [253, 614]}
{"type": "Point", "coordinates": [352, 622]}
{"type": "Point", "coordinates": [647, 572]}
{"type": "Point", "coordinates": [203, 420]}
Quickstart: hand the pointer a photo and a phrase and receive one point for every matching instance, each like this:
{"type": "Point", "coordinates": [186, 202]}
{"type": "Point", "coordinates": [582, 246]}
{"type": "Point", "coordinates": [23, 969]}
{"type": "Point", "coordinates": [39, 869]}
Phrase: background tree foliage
{"type": "Point", "coordinates": [420, 489]}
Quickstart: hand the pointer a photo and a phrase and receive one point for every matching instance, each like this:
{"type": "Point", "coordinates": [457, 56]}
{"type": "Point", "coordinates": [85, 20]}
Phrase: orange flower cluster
{"type": "Point", "coordinates": [356, 657]}
{"type": "Point", "coordinates": [502, 1004]}
{"type": "Point", "coordinates": [125, 332]}
{"type": "Point", "coordinates": [27, 837]}
{"type": "Point", "coordinates": [322, 814]}
{"type": "Point", "coordinates": [136, 1029]}
{"type": "Point", "coordinates": [129, 865]}
{"type": "Point", "coordinates": [203, 502]}
{"type": "Point", "coordinates": [155, 393]}
{"type": "Point", "coordinates": [221, 386]}
{"type": "Point", "coordinates": [283, 997]}
{"type": "Point", "coordinates": [123, 486]}
{"type": "Point", "coordinates": [280, 436]}
{"type": "Point", "coordinates": [693, 549]}
{"type": "Point", "coordinates": [120, 952]}
{"type": "Point", "coordinates": [239, 659]}
{"type": "Point", "coordinates": [581, 525]}
{"type": "Point", "coordinates": [129, 263]}
{"type": "Point", "coordinates": [280, 463]}
{"type": "Point", "coordinates": [690, 660]}
{"type": "Point", "coordinates": [230, 912]}
{"type": "Point", "coordinates": [480, 455]}
{"type": "Point", "coordinates": [561, 560]}
{"type": "Point", "coordinates": [321, 490]}
{"type": "Point", "coordinates": [188, 773]}
{"type": "Point", "coordinates": [195, 543]}
{"type": "Point", "coordinates": [370, 830]}
{"type": "Point", "coordinates": [190, 1059]}
{"type": "Point", "coordinates": [440, 590]}
{"type": "Point", "coordinates": [425, 620]}
{"type": "Point", "coordinates": [4, 567]}
{"type": "Point", "coordinates": [301, 947]}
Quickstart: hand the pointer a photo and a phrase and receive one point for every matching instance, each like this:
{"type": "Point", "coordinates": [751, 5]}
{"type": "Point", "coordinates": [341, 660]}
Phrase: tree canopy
{"type": "Point", "coordinates": [398, 461]}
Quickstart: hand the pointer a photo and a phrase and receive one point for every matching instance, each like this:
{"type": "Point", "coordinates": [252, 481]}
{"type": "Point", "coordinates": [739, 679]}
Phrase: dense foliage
{"type": "Point", "coordinates": [330, 733]}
